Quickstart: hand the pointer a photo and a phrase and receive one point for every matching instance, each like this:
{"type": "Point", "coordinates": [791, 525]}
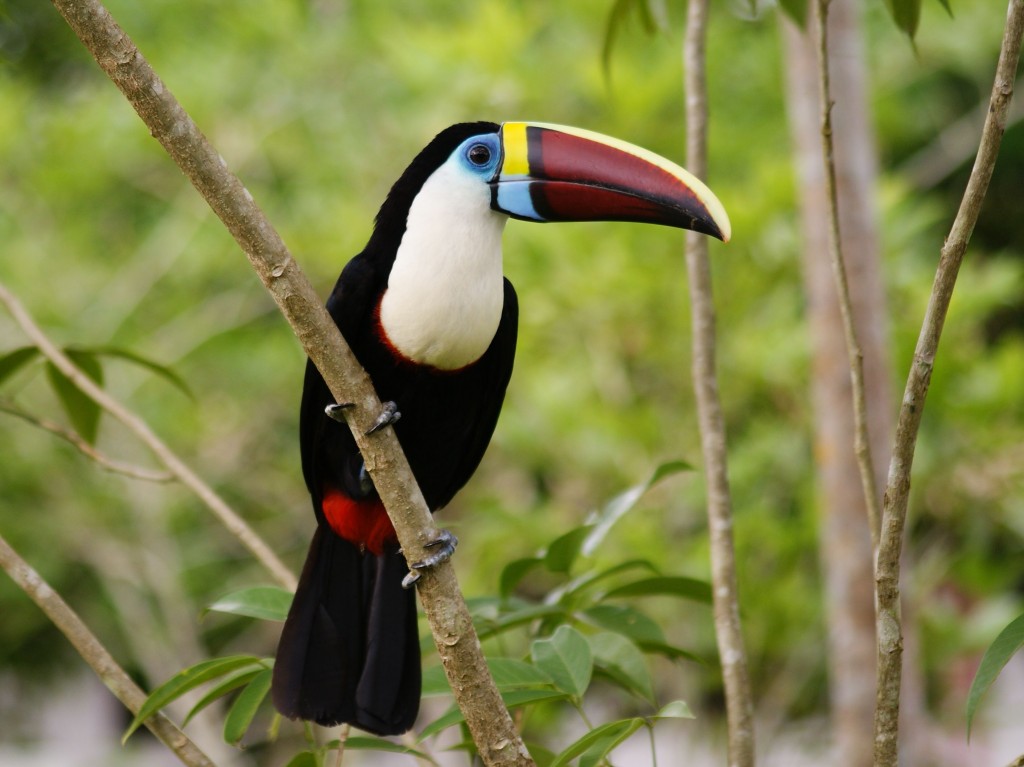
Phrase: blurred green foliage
{"type": "Point", "coordinates": [318, 106]}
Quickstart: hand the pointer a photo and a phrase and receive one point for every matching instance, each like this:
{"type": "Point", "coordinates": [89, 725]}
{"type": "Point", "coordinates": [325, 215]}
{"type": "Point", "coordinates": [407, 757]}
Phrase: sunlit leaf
{"type": "Point", "coordinates": [15, 360]}
{"type": "Point", "coordinates": [565, 656]}
{"type": "Point", "coordinates": [268, 603]}
{"type": "Point", "coordinates": [605, 738]}
{"type": "Point", "coordinates": [677, 709]}
{"type": "Point", "coordinates": [232, 682]}
{"type": "Point", "coordinates": [188, 679]}
{"type": "Point", "coordinates": [1009, 641]}
{"type": "Point", "coordinates": [603, 520]}
{"type": "Point", "coordinates": [676, 586]}
{"type": "Point", "coordinates": [493, 626]}
{"type": "Point", "coordinates": [83, 413]}
{"type": "Point", "coordinates": [243, 710]}
{"type": "Point", "coordinates": [623, 662]}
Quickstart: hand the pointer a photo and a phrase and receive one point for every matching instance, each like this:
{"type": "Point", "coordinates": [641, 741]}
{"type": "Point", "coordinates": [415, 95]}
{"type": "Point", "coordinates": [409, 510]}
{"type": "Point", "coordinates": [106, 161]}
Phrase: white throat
{"type": "Point", "coordinates": [445, 292]}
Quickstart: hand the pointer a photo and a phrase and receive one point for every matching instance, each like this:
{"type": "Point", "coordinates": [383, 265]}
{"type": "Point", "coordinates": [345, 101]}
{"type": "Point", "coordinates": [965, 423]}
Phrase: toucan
{"type": "Point", "coordinates": [429, 314]}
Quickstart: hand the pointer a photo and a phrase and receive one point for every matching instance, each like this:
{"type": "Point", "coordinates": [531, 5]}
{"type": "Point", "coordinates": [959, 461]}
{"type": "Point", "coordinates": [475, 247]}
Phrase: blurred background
{"type": "Point", "coordinates": [318, 105]}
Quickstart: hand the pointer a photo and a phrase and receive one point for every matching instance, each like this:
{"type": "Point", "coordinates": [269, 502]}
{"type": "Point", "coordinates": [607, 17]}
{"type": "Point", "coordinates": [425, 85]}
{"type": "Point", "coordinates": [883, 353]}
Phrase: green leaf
{"type": "Point", "coordinates": [83, 413]}
{"type": "Point", "coordinates": [243, 710]}
{"type": "Point", "coordinates": [677, 709]}
{"type": "Point", "coordinates": [303, 759]}
{"type": "Point", "coordinates": [268, 603]}
{"type": "Point", "coordinates": [232, 682]}
{"type": "Point", "coordinates": [626, 621]}
{"type": "Point", "coordinates": [510, 673]}
{"type": "Point", "coordinates": [616, 17]}
{"type": "Point", "coordinates": [15, 360]}
{"type": "Point", "coordinates": [1009, 641]}
{"type": "Point", "coordinates": [603, 739]}
{"type": "Point", "coordinates": [188, 679]}
{"type": "Point", "coordinates": [603, 520]}
{"type": "Point", "coordinates": [493, 626]}
{"type": "Point", "coordinates": [671, 652]}
{"type": "Point", "coordinates": [906, 14]}
{"type": "Point", "coordinates": [435, 682]}
{"type": "Point", "coordinates": [513, 699]}
{"type": "Point", "coordinates": [949, 9]}
{"type": "Point", "coordinates": [588, 580]}
{"type": "Point", "coordinates": [796, 10]}
{"type": "Point", "coordinates": [563, 551]}
{"type": "Point", "coordinates": [566, 658]}
{"type": "Point", "coordinates": [623, 661]}
{"type": "Point", "coordinates": [161, 370]}
{"type": "Point", "coordinates": [676, 586]}
{"type": "Point", "coordinates": [370, 743]}
{"type": "Point", "coordinates": [514, 572]}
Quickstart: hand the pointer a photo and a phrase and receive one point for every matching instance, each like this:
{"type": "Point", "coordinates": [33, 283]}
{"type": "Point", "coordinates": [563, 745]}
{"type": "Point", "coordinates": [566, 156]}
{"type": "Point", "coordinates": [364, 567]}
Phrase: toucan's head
{"type": "Point", "coordinates": [439, 231]}
{"type": "Point", "coordinates": [546, 173]}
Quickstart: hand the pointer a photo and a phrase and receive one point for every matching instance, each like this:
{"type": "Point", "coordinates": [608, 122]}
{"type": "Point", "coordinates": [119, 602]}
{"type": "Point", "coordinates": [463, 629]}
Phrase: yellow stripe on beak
{"type": "Point", "coordinates": [516, 161]}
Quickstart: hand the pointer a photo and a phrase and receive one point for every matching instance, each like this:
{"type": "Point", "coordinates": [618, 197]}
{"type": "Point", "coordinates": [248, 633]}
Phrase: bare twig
{"type": "Point", "coordinates": [739, 703]}
{"type": "Point", "coordinates": [897, 491]}
{"type": "Point", "coordinates": [456, 640]}
{"type": "Point", "coordinates": [76, 441]}
{"type": "Point", "coordinates": [96, 655]}
{"type": "Point", "coordinates": [862, 438]}
{"type": "Point", "coordinates": [234, 523]}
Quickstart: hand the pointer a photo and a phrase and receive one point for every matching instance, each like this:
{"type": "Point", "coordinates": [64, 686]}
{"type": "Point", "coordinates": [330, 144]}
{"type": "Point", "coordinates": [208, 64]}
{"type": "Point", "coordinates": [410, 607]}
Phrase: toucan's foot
{"type": "Point", "coordinates": [336, 411]}
{"type": "Point", "coordinates": [388, 415]}
{"type": "Point", "coordinates": [441, 548]}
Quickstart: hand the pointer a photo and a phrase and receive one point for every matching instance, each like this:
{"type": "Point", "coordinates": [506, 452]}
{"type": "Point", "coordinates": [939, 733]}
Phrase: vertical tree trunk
{"type": "Point", "coordinates": [845, 540]}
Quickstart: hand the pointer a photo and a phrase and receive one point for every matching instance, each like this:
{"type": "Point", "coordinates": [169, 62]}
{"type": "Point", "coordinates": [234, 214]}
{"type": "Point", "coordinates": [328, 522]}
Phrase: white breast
{"type": "Point", "coordinates": [445, 292]}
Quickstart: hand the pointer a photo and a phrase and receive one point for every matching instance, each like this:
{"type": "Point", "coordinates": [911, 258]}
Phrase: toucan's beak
{"type": "Point", "coordinates": [557, 173]}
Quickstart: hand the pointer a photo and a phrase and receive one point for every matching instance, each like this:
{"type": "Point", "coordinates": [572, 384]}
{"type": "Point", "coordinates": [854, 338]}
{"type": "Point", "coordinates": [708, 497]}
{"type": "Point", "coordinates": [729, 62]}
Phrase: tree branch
{"type": "Point", "coordinates": [96, 655]}
{"type": "Point", "coordinates": [897, 491]}
{"type": "Point", "coordinates": [450, 622]}
{"type": "Point", "coordinates": [76, 441]}
{"type": "Point", "coordinates": [728, 631]}
{"type": "Point", "coordinates": [234, 523]}
{"type": "Point", "coordinates": [862, 438]}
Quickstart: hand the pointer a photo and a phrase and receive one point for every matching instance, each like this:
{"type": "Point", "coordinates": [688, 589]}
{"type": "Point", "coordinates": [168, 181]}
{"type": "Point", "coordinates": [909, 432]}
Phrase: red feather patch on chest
{"type": "Point", "coordinates": [364, 523]}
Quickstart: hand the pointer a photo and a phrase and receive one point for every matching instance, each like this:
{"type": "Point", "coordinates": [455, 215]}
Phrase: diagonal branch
{"type": "Point", "coordinates": [728, 631]}
{"type": "Point", "coordinates": [450, 622]}
{"type": "Point", "coordinates": [177, 467]}
{"type": "Point", "coordinates": [96, 655]}
{"type": "Point", "coordinates": [897, 491]}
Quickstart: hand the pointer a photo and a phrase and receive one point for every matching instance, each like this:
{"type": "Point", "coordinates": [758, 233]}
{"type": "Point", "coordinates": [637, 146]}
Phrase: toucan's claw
{"type": "Point", "coordinates": [388, 415]}
{"type": "Point", "coordinates": [335, 411]}
{"type": "Point", "coordinates": [444, 544]}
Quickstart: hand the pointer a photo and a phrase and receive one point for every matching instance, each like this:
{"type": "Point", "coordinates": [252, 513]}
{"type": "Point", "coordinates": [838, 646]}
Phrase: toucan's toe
{"type": "Point", "coordinates": [388, 415]}
{"type": "Point", "coordinates": [441, 548]}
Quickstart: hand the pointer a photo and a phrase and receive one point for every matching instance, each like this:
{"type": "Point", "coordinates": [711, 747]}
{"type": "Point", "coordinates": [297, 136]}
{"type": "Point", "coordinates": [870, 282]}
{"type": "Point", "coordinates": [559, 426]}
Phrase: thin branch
{"type": "Point", "coordinates": [452, 627]}
{"type": "Point", "coordinates": [738, 698]}
{"type": "Point", "coordinates": [234, 523]}
{"type": "Point", "coordinates": [96, 655]}
{"type": "Point", "coordinates": [80, 444]}
{"type": "Point", "coordinates": [897, 491]}
{"type": "Point", "coordinates": [862, 438]}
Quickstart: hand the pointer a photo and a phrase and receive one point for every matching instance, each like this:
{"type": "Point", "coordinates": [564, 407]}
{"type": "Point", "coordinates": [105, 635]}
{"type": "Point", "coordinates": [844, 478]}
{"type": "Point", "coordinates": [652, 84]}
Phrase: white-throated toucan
{"type": "Point", "coordinates": [429, 314]}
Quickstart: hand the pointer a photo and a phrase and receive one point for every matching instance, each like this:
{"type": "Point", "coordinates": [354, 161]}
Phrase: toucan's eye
{"type": "Point", "coordinates": [479, 154]}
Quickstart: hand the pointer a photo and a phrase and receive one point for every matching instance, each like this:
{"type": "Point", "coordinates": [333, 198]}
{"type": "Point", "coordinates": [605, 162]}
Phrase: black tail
{"type": "Point", "coordinates": [349, 651]}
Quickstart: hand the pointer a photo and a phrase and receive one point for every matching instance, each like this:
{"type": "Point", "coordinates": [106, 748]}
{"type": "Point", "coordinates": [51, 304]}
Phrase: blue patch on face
{"type": "Point", "coordinates": [513, 197]}
{"type": "Point", "coordinates": [480, 155]}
